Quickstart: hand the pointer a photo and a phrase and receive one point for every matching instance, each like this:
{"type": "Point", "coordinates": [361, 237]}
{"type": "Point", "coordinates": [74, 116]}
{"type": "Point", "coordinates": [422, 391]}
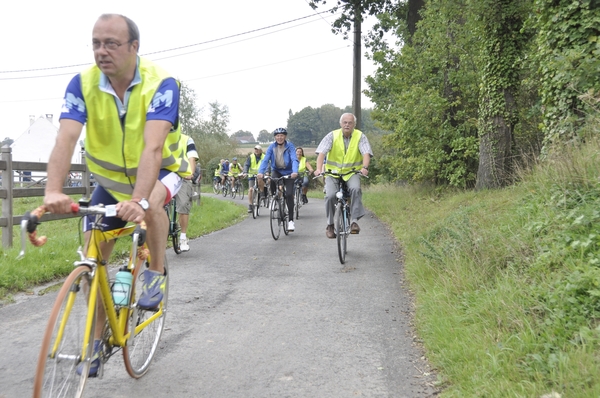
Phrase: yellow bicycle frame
{"type": "Point", "coordinates": [100, 283]}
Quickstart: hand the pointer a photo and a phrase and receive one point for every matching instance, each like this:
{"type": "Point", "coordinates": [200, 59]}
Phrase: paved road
{"type": "Point", "coordinates": [254, 317]}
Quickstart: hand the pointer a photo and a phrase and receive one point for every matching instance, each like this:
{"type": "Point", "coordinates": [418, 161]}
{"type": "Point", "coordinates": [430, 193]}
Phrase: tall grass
{"type": "Point", "coordinates": [507, 282]}
{"type": "Point", "coordinates": [55, 259]}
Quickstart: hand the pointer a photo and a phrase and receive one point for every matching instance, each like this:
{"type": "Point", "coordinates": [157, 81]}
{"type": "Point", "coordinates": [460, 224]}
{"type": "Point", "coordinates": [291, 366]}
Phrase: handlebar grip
{"type": "Point", "coordinates": [75, 207]}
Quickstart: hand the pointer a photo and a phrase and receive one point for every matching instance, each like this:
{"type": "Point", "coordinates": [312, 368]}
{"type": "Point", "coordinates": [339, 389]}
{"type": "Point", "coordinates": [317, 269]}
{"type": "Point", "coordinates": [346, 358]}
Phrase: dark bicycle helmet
{"type": "Point", "coordinates": [280, 130]}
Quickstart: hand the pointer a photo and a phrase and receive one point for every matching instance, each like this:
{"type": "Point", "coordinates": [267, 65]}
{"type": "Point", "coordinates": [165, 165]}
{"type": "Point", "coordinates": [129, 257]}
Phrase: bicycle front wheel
{"type": "Point", "coordinates": [144, 338]}
{"type": "Point", "coordinates": [241, 190]}
{"type": "Point", "coordinates": [216, 187]}
{"type": "Point", "coordinates": [297, 202]}
{"type": "Point", "coordinates": [255, 202]}
{"type": "Point", "coordinates": [63, 347]}
{"type": "Point", "coordinates": [275, 219]}
{"type": "Point", "coordinates": [341, 233]}
{"type": "Point", "coordinates": [284, 215]}
{"type": "Point", "coordinates": [234, 190]}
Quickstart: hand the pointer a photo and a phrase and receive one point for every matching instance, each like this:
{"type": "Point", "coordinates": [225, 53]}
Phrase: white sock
{"type": "Point", "coordinates": [182, 236]}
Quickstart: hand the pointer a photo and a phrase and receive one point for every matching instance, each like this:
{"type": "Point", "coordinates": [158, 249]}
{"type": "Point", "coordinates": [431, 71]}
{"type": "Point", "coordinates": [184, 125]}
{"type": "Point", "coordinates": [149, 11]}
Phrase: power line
{"type": "Point", "coordinates": [161, 51]}
{"type": "Point", "coordinates": [199, 78]}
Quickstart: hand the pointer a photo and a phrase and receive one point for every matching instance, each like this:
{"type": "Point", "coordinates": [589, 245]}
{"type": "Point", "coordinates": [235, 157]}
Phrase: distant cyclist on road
{"type": "Point", "coordinates": [224, 172]}
{"type": "Point", "coordinates": [234, 171]}
{"type": "Point", "coordinates": [281, 154]}
{"type": "Point", "coordinates": [186, 193]}
{"type": "Point", "coordinates": [304, 170]}
{"type": "Point", "coordinates": [251, 168]}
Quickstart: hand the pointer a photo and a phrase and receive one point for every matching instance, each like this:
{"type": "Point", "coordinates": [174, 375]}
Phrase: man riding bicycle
{"type": "Point", "coordinates": [346, 149]}
{"type": "Point", "coordinates": [129, 106]}
{"type": "Point", "coordinates": [281, 155]}
{"type": "Point", "coordinates": [251, 167]}
{"type": "Point", "coordinates": [234, 171]}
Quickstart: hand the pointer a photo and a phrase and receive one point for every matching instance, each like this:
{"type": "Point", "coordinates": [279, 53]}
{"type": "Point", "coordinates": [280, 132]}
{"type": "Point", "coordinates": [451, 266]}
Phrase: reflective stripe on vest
{"type": "Point", "coordinates": [114, 147]}
{"type": "Point", "coordinates": [341, 161]}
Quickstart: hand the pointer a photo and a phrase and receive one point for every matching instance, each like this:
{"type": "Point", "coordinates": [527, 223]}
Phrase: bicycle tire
{"type": "Point", "coordinates": [56, 374]}
{"type": "Point", "coordinates": [341, 233]}
{"type": "Point", "coordinates": [216, 187]}
{"type": "Point", "coordinates": [255, 203]}
{"type": "Point", "coordinates": [234, 191]}
{"type": "Point", "coordinates": [241, 190]}
{"type": "Point", "coordinates": [224, 190]}
{"type": "Point", "coordinates": [297, 202]}
{"type": "Point", "coordinates": [275, 220]}
{"type": "Point", "coordinates": [140, 348]}
{"type": "Point", "coordinates": [174, 230]}
{"type": "Point", "coordinates": [284, 215]}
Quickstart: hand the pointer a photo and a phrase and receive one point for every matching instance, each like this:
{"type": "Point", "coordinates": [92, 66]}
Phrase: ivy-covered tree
{"type": "Point", "coordinates": [569, 53]}
{"type": "Point", "coordinates": [503, 46]}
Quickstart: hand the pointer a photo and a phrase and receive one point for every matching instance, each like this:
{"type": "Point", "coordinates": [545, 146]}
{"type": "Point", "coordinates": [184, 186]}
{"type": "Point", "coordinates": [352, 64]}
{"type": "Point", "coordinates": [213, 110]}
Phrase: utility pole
{"type": "Point", "coordinates": [356, 77]}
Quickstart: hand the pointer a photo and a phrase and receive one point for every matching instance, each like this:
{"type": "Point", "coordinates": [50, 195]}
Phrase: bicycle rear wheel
{"type": "Point", "coordinates": [275, 220]}
{"type": "Point", "coordinates": [142, 344]}
{"type": "Point", "coordinates": [62, 347]}
{"type": "Point", "coordinates": [341, 233]}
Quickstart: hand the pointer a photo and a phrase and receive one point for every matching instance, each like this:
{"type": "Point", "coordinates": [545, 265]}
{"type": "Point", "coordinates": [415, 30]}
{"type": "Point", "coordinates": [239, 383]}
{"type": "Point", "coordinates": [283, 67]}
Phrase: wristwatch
{"type": "Point", "coordinates": [143, 203]}
{"type": "Point", "coordinates": [365, 167]}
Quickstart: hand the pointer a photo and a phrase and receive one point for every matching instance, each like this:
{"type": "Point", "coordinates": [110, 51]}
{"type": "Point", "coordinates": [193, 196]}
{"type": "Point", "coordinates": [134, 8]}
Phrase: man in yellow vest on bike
{"type": "Point", "coordinates": [251, 168]}
{"type": "Point", "coordinates": [130, 108]}
{"type": "Point", "coordinates": [346, 149]}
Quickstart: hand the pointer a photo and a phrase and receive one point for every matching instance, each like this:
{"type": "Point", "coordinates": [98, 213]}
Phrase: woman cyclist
{"type": "Point", "coordinates": [281, 156]}
{"type": "Point", "coordinates": [304, 170]}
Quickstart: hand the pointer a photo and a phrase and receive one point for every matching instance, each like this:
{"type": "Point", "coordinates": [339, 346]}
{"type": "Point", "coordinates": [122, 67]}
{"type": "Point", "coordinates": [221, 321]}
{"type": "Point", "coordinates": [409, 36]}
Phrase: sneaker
{"type": "Point", "coordinates": [291, 226]}
{"type": "Point", "coordinates": [184, 245]}
{"type": "Point", "coordinates": [304, 199]}
{"type": "Point", "coordinates": [354, 228]}
{"type": "Point", "coordinates": [250, 209]}
{"type": "Point", "coordinates": [95, 365]}
{"type": "Point", "coordinates": [152, 289]}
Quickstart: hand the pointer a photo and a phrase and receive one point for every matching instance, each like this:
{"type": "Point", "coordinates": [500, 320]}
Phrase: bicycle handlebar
{"type": "Point", "coordinates": [338, 175]}
{"type": "Point", "coordinates": [31, 220]}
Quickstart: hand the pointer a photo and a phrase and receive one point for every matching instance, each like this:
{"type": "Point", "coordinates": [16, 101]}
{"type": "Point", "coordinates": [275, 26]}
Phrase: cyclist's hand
{"type": "Point", "coordinates": [130, 211]}
{"type": "Point", "coordinates": [364, 172]}
{"type": "Point", "coordinates": [294, 175]}
{"type": "Point", "coordinates": [58, 203]}
{"type": "Point", "coordinates": [260, 175]}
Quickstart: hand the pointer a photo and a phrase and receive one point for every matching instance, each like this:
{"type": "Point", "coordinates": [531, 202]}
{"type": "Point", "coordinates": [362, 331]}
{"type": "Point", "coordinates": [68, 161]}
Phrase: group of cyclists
{"type": "Point", "coordinates": [346, 149]}
{"type": "Point", "coordinates": [134, 148]}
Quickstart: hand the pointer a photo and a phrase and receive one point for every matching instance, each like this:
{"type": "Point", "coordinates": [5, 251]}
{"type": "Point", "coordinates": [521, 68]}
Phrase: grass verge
{"type": "Point", "coordinates": [55, 259]}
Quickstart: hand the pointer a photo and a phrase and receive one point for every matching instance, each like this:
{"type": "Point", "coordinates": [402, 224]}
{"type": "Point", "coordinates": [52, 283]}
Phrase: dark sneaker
{"type": "Point", "coordinates": [330, 232]}
{"type": "Point", "coordinates": [153, 289]}
{"type": "Point", "coordinates": [95, 365]}
{"type": "Point", "coordinates": [354, 228]}
{"type": "Point", "coordinates": [304, 199]}
{"type": "Point", "coordinates": [249, 208]}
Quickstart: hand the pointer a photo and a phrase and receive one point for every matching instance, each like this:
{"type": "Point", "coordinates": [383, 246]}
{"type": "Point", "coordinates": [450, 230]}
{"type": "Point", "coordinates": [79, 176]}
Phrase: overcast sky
{"type": "Point", "coordinates": [260, 76]}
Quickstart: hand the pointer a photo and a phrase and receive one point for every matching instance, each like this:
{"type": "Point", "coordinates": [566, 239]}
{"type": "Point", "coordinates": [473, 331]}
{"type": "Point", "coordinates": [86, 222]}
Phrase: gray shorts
{"type": "Point", "coordinates": [184, 197]}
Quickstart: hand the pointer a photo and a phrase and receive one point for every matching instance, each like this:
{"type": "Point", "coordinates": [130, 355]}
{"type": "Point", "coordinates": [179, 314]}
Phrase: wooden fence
{"type": "Point", "coordinates": [32, 186]}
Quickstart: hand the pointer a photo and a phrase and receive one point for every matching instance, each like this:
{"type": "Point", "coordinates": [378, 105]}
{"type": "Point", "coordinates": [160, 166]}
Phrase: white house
{"type": "Point", "coordinates": [36, 143]}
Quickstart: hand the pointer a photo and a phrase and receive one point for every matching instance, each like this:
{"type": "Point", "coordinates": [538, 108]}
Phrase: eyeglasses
{"type": "Point", "coordinates": [109, 45]}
